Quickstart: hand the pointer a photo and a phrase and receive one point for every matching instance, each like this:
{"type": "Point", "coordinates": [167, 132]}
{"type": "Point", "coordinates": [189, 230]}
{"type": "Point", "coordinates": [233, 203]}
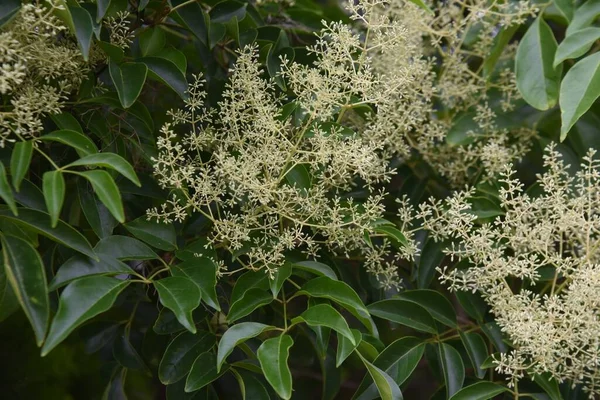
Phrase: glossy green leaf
{"type": "Point", "coordinates": [180, 295]}
{"type": "Point", "coordinates": [110, 161]}
{"type": "Point", "coordinates": [537, 79]}
{"type": "Point", "coordinates": [204, 371]}
{"type": "Point", "coordinates": [103, 6]}
{"type": "Point", "coordinates": [337, 291]}
{"type": "Point", "coordinates": [549, 384]}
{"type": "Point", "coordinates": [387, 388]}
{"type": "Point", "coordinates": [79, 266]}
{"type": "Point", "coordinates": [203, 272]}
{"type": "Point", "coordinates": [193, 18]}
{"type": "Point", "coordinates": [438, 306]}
{"type": "Point", "coordinates": [107, 191]}
{"type": "Point", "coordinates": [19, 162]}
{"type": "Point", "coordinates": [325, 315]}
{"type": "Point", "coordinates": [576, 45]}
{"type": "Point", "coordinates": [8, 9]}
{"type": "Point", "coordinates": [66, 121]}
{"type": "Point", "coordinates": [81, 300]}
{"type": "Point", "coordinates": [452, 368]}
{"type": "Point", "coordinates": [160, 236]}
{"type": "Point", "coordinates": [405, 313]}
{"type": "Point", "coordinates": [168, 73]}
{"type": "Point", "coordinates": [279, 278]}
{"type": "Point", "coordinates": [81, 143]}
{"type": "Point", "coordinates": [584, 16]}
{"type": "Point", "coordinates": [6, 192]}
{"type": "Point", "coordinates": [84, 29]}
{"type": "Point", "coordinates": [128, 79]}
{"type": "Point", "coordinates": [479, 391]}
{"type": "Point", "coordinates": [181, 354]}
{"type": "Point", "coordinates": [345, 347]}
{"type": "Point", "coordinates": [273, 357]}
{"type": "Point", "coordinates": [252, 299]}
{"type": "Point", "coordinates": [397, 237]}
{"type": "Point", "coordinates": [247, 281]}
{"type": "Point", "coordinates": [97, 215]}
{"type": "Point", "coordinates": [25, 272]}
{"type": "Point", "coordinates": [152, 40]}
{"type": "Point", "coordinates": [124, 248]}
{"type": "Point", "coordinates": [501, 40]}
{"type": "Point", "coordinates": [316, 268]}
{"type": "Point", "coordinates": [476, 349]}
{"type": "Point", "coordinates": [8, 300]}
{"type": "Point", "coordinates": [54, 194]}
{"type": "Point", "coordinates": [236, 335]}
{"type": "Point", "coordinates": [251, 387]}
{"type": "Point", "coordinates": [430, 258]}
{"type": "Point", "coordinates": [40, 222]}
{"type": "Point", "coordinates": [114, 53]}
{"type": "Point", "coordinates": [579, 90]}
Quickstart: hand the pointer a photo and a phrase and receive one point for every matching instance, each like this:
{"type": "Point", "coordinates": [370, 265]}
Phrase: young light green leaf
{"type": "Point", "coordinates": [250, 301]}
{"type": "Point", "coordinates": [576, 45]}
{"type": "Point", "coordinates": [479, 391]}
{"type": "Point", "coordinates": [181, 354]}
{"type": "Point", "coordinates": [107, 191]}
{"type": "Point", "coordinates": [345, 347]}
{"type": "Point", "coordinates": [203, 272]}
{"type": "Point", "coordinates": [476, 349]}
{"type": "Point", "coordinates": [40, 222]}
{"type": "Point", "coordinates": [84, 29]}
{"type": "Point", "coordinates": [537, 79]}
{"type": "Point", "coordinates": [579, 90]}
{"type": "Point", "coordinates": [404, 312]}
{"type": "Point", "coordinates": [180, 295]}
{"type": "Point", "coordinates": [128, 79]}
{"type": "Point", "coordinates": [452, 368]}
{"type": "Point", "coordinates": [19, 162]}
{"type": "Point", "coordinates": [204, 371]}
{"type": "Point", "coordinates": [26, 274]}
{"type": "Point", "coordinates": [273, 357]}
{"type": "Point", "coordinates": [81, 300]}
{"type": "Point", "coordinates": [54, 194]}
{"type": "Point", "coordinates": [111, 161]}
{"type": "Point", "coordinates": [81, 143]}
{"type": "Point", "coordinates": [236, 335]}
{"type": "Point", "coordinates": [6, 192]}
{"type": "Point", "coordinates": [566, 8]}
{"type": "Point", "coordinates": [161, 236]}
{"type": "Point", "coordinates": [325, 315]}
{"type": "Point", "coordinates": [438, 306]}
{"type": "Point", "coordinates": [584, 16]}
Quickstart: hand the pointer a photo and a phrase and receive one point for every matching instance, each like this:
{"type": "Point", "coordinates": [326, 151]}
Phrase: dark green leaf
{"type": "Point", "coordinates": [19, 162]}
{"type": "Point", "coordinates": [8, 9]}
{"type": "Point", "coordinates": [8, 300]}
{"type": "Point", "coordinates": [168, 73]}
{"type": "Point", "coordinates": [81, 300]}
{"type": "Point", "coordinates": [79, 266]}
{"type": "Point", "coordinates": [405, 313]}
{"type": "Point", "coordinates": [111, 161]}
{"type": "Point", "coordinates": [6, 192]}
{"type": "Point", "coordinates": [128, 79]}
{"type": "Point", "coordinates": [325, 315]}
{"type": "Point", "coordinates": [476, 349]}
{"type": "Point", "coordinates": [54, 194]}
{"type": "Point", "coordinates": [152, 40]}
{"type": "Point", "coordinates": [479, 391]}
{"type": "Point", "coordinates": [316, 268]}
{"type": "Point", "coordinates": [273, 356]}
{"type": "Point", "coordinates": [107, 191]}
{"type": "Point", "coordinates": [438, 306]}
{"type": "Point", "coordinates": [124, 248]}
{"type": "Point", "coordinates": [161, 236]}
{"type": "Point", "coordinates": [204, 371]}
{"type": "Point", "coordinates": [387, 388]}
{"type": "Point", "coordinates": [203, 272]}
{"type": "Point", "coordinates": [114, 53]}
{"type": "Point", "coordinates": [236, 335]}
{"type": "Point", "coordinates": [25, 272]}
{"type": "Point", "coordinates": [96, 213]}
{"type": "Point", "coordinates": [81, 143]}
{"type": "Point", "coordinates": [250, 301]}
{"type": "Point", "coordinates": [280, 276]}
{"type": "Point", "coordinates": [345, 347]}
{"type": "Point", "coordinates": [430, 259]}
{"type": "Point", "coordinates": [452, 368]}
{"type": "Point", "coordinates": [102, 5]}
{"type": "Point", "coordinates": [84, 29]}
{"type": "Point", "coordinates": [181, 354]}
{"type": "Point", "coordinates": [398, 238]}
{"type": "Point", "coordinates": [180, 295]}
{"type": "Point", "coordinates": [537, 79]}
{"type": "Point", "coordinates": [549, 384]}
{"type": "Point", "coordinates": [126, 354]}
{"type": "Point", "coordinates": [193, 18]}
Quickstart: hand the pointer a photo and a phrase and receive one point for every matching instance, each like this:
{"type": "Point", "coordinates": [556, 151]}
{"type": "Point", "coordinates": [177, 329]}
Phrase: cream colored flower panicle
{"type": "Point", "coordinates": [269, 182]}
{"type": "Point", "coordinates": [537, 266]}
{"type": "Point", "coordinates": [38, 69]}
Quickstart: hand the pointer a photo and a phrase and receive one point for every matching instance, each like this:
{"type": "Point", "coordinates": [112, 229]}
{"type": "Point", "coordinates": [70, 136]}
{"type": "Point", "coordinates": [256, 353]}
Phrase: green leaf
{"type": "Point", "coordinates": [398, 238]}
{"type": "Point", "coordinates": [161, 236]}
{"type": "Point", "coordinates": [325, 315]}
{"type": "Point", "coordinates": [180, 295]}
{"type": "Point", "coordinates": [66, 121]}
{"type": "Point", "coordinates": [316, 268]}
{"type": "Point", "coordinates": [79, 266]}
{"type": "Point", "coordinates": [273, 357]}
{"type": "Point", "coordinates": [251, 388]}
{"type": "Point", "coordinates": [8, 300]}
{"type": "Point", "coordinates": [168, 73]}
{"type": "Point", "coordinates": [549, 384]}
{"type": "Point", "coordinates": [236, 335]}
{"type": "Point", "coordinates": [203, 272]}
{"type": "Point", "coordinates": [84, 29]}
{"type": "Point", "coordinates": [576, 45]}
{"type": "Point", "coordinates": [103, 6]}
{"type": "Point", "coordinates": [479, 391]}
{"type": "Point", "coordinates": [25, 272]}
{"type": "Point", "coordinates": [249, 280]}
{"type": "Point", "coordinates": [204, 371]}
{"type": "Point", "coordinates": [387, 388]}
{"type": "Point", "coordinates": [124, 248]}
{"type": "Point", "coordinates": [299, 177]}
{"type": "Point", "coordinates": [81, 300]}
{"type": "Point", "coordinates": [584, 16]}
{"type": "Point", "coordinates": [345, 347]}
{"type": "Point", "coordinates": [19, 162]}
{"type": "Point", "coordinates": [500, 41]}
{"type": "Point", "coordinates": [8, 9]}
{"type": "Point", "coordinates": [128, 79]}
{"type": "Point", "coordinates": [579, 90]}
{"type": "Point", "coordinates": [111, 161]}
{"type": "Point", "coordinates": [250, 301]}
{"type": "Point", "coordinates": [114, 53]}
{"type": "Point", "coordinates": [279, 278]}
{"type": "Point", "coordinates": [422, 5]}
{"type": "Point", "coordinates": [430, 259]}
{"type": "Point", "coordinates": [81, 143]}
{"type": "Point", "coordinates": [537, 79]}
{"type": "Point", "coordinates": [97, 215]}
{"type": "Point", "coordinates": [152, 40]}
{"type": "Point", "coordinates": [181, 354]}
{"type": "Point", "coordinates": [40, 222]}
{"type": "Point", "coordinates": [566, 8]}
{"type": "Point", "coordinates": [6, 192]}
{"type": "Point", "coordinates": [473, 304]}
{"type": "Point", "coordinates": [126, 354]}
{"type": "Point", "coordinates": [438, 306]}
{"type": "Point", "coordinates": [405, 313]}
{"type": "Point", "coordinates": [107, 191]}
{"type": "Point", "coordinates": [476, 349]}
{"type": "Point", "coordinates": [337, 291]}
{"type": "Point", "coordinates": [193, 18]}
{"type": "Point", "coordinates": [452, 368]}
{"type": "Point", "coordinates": [54, 194]}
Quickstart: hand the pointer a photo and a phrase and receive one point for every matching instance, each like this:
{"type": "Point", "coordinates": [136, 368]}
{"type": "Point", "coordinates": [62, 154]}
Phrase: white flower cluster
{"type": "Point", "coordinates": [537, 266]}
{"type": "Point", "coordinates": [37, 69]}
